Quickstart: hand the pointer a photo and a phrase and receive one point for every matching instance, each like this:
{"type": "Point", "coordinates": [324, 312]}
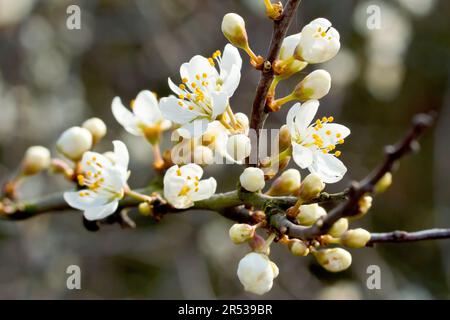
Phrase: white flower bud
{"type": "Point", "coordinates": [96, 127]}
{"type": "Point", "coordinates": [239, 147]}
{"type": "Point", "coordinates": [287, 183]}
{"type": "Point", "coordinates": [256, 273]}
{"type": "Point", "coordinates": [315, 85]}
{"type": "Point", "coordinates": [74, 142]}
{"type": "Point", "coordinates": [241, 232]}
{"type": "Point", "coordinates": [311, 187]}
{"type": "Point", "coordinates": [203, 155]}
{"type": "Point", "coordinates": [334, 260]}
{"type": "Point", "coordinates": [318, 43]}
{"type": "Point", "coordinates": [233, 28]}
{"type": "Point", "coordinates": [365, 203]}
{"type": "Point", "coordinates": [384, 183]}
{"type": "Point", "coordinates": [298, 248]}
{"type": "Point", "coordinates": [284, 138]}
{"type": "Point", "coordinates": [35, 160]}
{"type": "Point", "coordinates": [242, 119]}
{"type": "Point", "coordinates": [338, 228]}
{"type": "Point", "coordinates": [310, 213]}
{"type": "Point", "coordinates": [356, 238]}
{"type": "Point", "coordinates": [252, 179]}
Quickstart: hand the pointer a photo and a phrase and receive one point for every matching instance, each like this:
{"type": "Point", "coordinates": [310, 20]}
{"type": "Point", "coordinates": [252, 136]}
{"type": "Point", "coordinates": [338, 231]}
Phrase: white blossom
{"type": "Point", "coordinates": [145, 119]}
{"type": "Point", "coordinates": [103, 183]}
{"type": "Point", "coordinates": [314, 143]}
{"type": "Point", "coordinates": [204, 92]}
{"type": "Point", "coordinates": [182, 185]}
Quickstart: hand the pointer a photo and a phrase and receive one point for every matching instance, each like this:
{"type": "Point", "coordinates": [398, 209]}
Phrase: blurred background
{"type": "Point", "coordinates": [52, 78]}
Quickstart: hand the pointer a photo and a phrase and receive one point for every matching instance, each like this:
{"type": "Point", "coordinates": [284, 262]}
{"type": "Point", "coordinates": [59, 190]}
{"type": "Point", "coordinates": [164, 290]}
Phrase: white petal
{"type": "Point", "coordinates": [306, 114]}
{"type": "Point", "coordinates": [230, 58]}
{"type": "Point", "coordinates": [290, 118]}
{"type": "Point", "coordinates": [174, 87]}
{"type": "Point", "coordinates": [219, 103]}
{"type": "Point", "coordinates": [206, 188]}
{"type": "Point", "coordinates": [125, 117]}
{"type": "Point", "coordinates": [98, 213]}
{"type": "Point", "coordinates": [192, 170]}
{"type": "Point", "coordinates": [303, 156]}
{"type": "Point", "coordinates": [289, 45]}
{"type": "Point", "coordinates": [337, 132]}
{"type": "Point", "coordinates": [232, 80]}
{"type": "Point", "coordinates": [121, 154]}
{"type": "Point", "coordinates": [146, 108]}
{"type": "Point", "coordinates": [172, 111]}
{"type": "Point", "coordinates": [193, 129]}
{"type": "Point", "coordinates": [328, 167]}
{"type": "Point", "coordinates": [76, 201]}
{"type": "Point", "coordinates": [200, 65]}
{"type": "Point", "coordinates": [93, 161]}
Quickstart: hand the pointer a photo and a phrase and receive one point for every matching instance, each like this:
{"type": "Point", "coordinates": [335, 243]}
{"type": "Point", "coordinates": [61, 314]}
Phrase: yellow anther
{"type": "Point", "coordinates": [196, 183]}
{"type": "Point", "coordinates": [197, 76]}
{"type": "Point", "coordinates": [191, 108]}
{"type": "Point", "coordinates": [182, 86]}
{"type": "Point", "coordinates": [325, 151]}
{"type": "Point", "coordinates": [341, 141]}
{"type": "Point", "coordinates": [132, 104]}
{"type": "Point", "coordinates": [94, 159]}
{"type": "Point", "coordinates": [184, 80]}
{"type": "Point", "coordinates": [184, 191]}
{"type": "Point", "coordinates": [99, 165]}
{"type": "Point", "coordinates": [193, 85]}
{"type": "Point", "coordinates": [338, 135]}
{"type": "Point", "coordinates": [181, 96]}
{"type": "Point", "coordinates": [180, 103]}
{"type": "Point", "coordinates": [89, 173]}
{"type": "Point", "coordinates": [330, 119]}
{"type": "Point", "coordinates": [179, 172]}
{"type": "Point", "coordinates": [337, 153]}
{"type": "Point", "coordinates": [205, 75]}
{"type": "Point", "coordinates": [88, 163]}
{"type": "Point", "coordinates": [323, 34]}
{"type": "Point", "coordinates": [328, 132]}
{"type": "Point", "coordinates": [196, 190]}
{"type": "Point", "coordinates": [189, 96]}
{"type": "Point", "coordinates": [211, 61]}
{"type": "Point", "coordinates": [324, 119]}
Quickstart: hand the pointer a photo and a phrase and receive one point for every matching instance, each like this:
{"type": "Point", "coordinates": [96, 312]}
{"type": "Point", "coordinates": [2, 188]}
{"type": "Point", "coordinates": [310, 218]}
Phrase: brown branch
{"type": "Point", "coordinates": [403, 236]}
{"type": "Point", "coordinates": [358, 189]}
{"type": "Point", "coordinates": [280, 28]}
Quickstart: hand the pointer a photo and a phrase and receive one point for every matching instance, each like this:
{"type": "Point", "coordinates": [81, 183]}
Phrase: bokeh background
{"type": "Point", "coordinates": [52, 78]}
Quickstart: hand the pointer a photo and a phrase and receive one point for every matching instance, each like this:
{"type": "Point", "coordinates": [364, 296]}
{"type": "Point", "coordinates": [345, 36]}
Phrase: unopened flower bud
{"type": "Point", "coordinates": [252, 179]}
{"type": "Point", "coordinates": [284, 138]}
{"type": "Point", "coordinates": [275, 269]}
{"type": "Point", "coordinates": [384, 183]}
{"type": "Point", "coordinates": [145, 209]}
{"type": "Point", "coordinates": [242, 119]}
{"type": "Point", "coordinates": [203, 155]}
{"type": "Point", "coordinates": [241, 232]}
{"type": "Point", "coordinates": [365, 203]}
{"type": "Point", "coordinates": [356, 238]}
{"type": "Point", "coordinates": [239, 147]}
{"type": "Point", "coordinates": [315, 85]}
{"type": "Point", "coordinates": [233, 28]}
{"type": "Point", "coordinates": [338, 228]}
{"type": "Point", "coordinates": [311, 187]}
{"type": "Point", "coordinates": [286, 184]}
{"type": "Point", "coordinates": [309, 214]}
{"type": "Point", "coordinates": [256, 273]}
{"type": "Point", "coordinates": [298, 248]}
{"type": "Point", "coordinates": [96, 127]}
{"type": "Point", "coordinates": [35, 160]}
{"type": "Point", "coordinates": [334, 260]}
{"type": "Point", "coordinates": [74, 142]}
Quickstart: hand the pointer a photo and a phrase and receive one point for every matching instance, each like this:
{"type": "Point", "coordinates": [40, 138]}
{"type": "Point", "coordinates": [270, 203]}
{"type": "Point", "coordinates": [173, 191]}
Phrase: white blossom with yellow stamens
{"type": "Point", "coordinates": [182, 186]}
{"type": "Point", "coordinates": [319, 42]}
{"type": "Point", "coordinates": [103, 182]}
{"type": "Point", "coordinates": [314, 144]}
{"type": "Point", "coordinates": [203, 96]}
{"type": "Point", "coordinates": [145, 120]}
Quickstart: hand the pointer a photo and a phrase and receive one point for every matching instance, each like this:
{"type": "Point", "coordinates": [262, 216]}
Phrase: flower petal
{"type": "Point", "coordinates": [122, 156]}
{"type": "Point", "coordinates": [101, 212]}
{"type": "Point", "coordinates": [191, 170]}
{"type": "Point", "coordinates": [75, 200]}
{"type": "Point", "coordinates": [303, 156]}
{"type": "Point", "coordinates": [328, 167]}
{"type": "Point", "coordinates": [306, 114]}
{"type": "Point", "coordinates": [172, 111]}
{"type": "Point", "coordinates": [125, 117]}
{"type": "Point", "coordinates": [146, 108]}
{"type": "Point", "coordinates": [206, 188]}
{"type": "Point", "coordinates": [232, 80]}
{"type": "Point", "coordinates": [219, 103]}
{"type": "Point", "coordinates": [230, 58]}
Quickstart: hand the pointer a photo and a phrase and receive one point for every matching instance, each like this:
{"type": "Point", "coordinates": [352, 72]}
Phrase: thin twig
{"type": "Point", "coordinates": [403, 236]}
{"type": "Point", "coordinates": [280, 28]}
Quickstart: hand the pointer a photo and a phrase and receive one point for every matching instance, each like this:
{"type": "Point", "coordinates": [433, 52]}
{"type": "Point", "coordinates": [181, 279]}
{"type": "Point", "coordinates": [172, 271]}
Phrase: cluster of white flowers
{"type": "Point", "coordinates": [205, 128]}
